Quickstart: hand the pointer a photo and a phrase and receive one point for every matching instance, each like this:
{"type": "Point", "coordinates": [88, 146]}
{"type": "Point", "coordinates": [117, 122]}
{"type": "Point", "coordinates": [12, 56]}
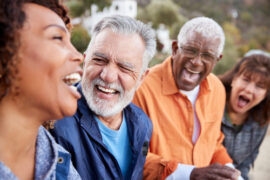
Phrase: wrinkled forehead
{"type": "Point", "coordinates": [198, 40]}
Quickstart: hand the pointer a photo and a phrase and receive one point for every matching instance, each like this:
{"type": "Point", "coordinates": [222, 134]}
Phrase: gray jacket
{"type": "Point", "coordinates": [52, 161]}
{"type": "Point", "coordinates": [243, 146]}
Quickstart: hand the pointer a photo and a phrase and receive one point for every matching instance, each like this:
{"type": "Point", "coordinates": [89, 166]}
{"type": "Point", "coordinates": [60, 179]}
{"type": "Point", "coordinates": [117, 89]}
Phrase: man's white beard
{"type": "Point", "coordinates": [103, 107]}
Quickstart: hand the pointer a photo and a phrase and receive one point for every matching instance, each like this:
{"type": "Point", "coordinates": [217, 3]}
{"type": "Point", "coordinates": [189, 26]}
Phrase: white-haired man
{"type": "Point", "coordinates": [108, 136]}
{"type": "Point", "coordinates": [185, 103]}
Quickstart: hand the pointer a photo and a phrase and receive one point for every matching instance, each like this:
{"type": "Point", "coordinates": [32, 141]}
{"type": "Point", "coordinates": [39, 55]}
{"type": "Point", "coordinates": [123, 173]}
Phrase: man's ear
{"type": "Point", "coordinates": [145, 73]}
{"type": "Point", "coordinates": [220, 57]}
{"type": "Point", "coordinates": [84, 55]}
{"type": "Point", "coordinates": [174, 47]}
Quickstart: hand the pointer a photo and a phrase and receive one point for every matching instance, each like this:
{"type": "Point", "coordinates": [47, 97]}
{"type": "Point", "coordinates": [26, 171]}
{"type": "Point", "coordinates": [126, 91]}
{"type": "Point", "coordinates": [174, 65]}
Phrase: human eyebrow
{"type": "Point", "coordinates": [188, 48]}
{"type": "Point", "coordinates": [126, 65]}
{"type": "Point", "coordinates": [211, 53]}
{"type": "Point", "coordinates": [104, 56]}
{"type": "Point", "coordinates": [208, 54]}
{"type": "Point", "coordinates": [57, 26]}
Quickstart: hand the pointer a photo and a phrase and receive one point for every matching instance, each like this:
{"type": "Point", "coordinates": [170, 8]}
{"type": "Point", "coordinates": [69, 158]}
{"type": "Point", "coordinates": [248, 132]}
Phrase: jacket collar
{"type": "Point", "coordinates": [46, 151]}
{"type": "Point", "coordinates": [86, 118]}
{"type": "Point", "coordinates": [247, 126]}
{"type": "Point", "coordinates": [134, 118]}
{"type": "Point", "coordinates": [169, 86]}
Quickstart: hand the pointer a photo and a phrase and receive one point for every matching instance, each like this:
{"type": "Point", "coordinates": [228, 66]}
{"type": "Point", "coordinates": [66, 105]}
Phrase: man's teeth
{"type": "Point", "coordinates": [72, 78]}
{"type": "Point", "coordinates": [194, 72]}
{"type": "Point", "coordinates": [106, 90]}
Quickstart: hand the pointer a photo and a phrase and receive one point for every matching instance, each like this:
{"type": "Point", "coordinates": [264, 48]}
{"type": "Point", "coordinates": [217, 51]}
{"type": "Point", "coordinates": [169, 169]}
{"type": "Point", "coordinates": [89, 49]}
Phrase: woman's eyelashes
{"type": "Point", "coordinates": [60, 38]}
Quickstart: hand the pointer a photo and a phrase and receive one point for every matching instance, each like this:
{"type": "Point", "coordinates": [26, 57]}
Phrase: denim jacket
{"type": "Point", "coordinates": [243, 146]}
{"type": "Point", "coordinates": [52, 161]}
{"type": "Point", "coordinates": [80, 135]}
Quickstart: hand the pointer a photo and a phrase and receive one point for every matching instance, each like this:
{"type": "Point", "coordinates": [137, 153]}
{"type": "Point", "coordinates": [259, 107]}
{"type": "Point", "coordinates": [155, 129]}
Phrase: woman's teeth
{"type": "Point", "coordinates": [72, 78]}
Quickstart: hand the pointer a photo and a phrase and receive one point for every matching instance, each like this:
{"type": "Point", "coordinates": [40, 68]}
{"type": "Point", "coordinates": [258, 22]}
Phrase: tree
{"type": "Point", "coordinates": [80, 7]}
{"type": "Point", "coordinates": [143, 3]}
{"type": "Point", "coordinates": [80, 38]}
{"type": "Point", "coordinates": [231, 30]}
{"type": "Point", "coordinates": [175, 28]}
{"type": "Point", "coordinates": [160, 12]}
{"type": "Point", "coordinates": [76, 8]}
{"type": "Point", "coordinates": [230, 56]}
{"type": "Point", "coordinates": [100, 3]}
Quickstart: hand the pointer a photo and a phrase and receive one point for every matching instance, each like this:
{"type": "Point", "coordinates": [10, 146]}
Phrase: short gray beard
{"type": "Point", "coordinates": [102, 107]}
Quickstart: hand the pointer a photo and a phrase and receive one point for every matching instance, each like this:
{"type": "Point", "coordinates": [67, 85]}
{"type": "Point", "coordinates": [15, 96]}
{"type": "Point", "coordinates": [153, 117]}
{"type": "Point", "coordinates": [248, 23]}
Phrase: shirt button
{"type": "Point", "coordinates": [60, 160]}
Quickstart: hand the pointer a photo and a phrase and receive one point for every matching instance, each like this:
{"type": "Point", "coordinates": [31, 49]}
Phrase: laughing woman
{"type": "Point", "coordinates": [36, 57]}
{"type": "Point", "coordinates": [247, 111]}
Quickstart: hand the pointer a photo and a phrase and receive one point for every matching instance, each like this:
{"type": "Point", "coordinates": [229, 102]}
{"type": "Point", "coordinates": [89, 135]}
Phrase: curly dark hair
{"type": "Point", "coordinates": [12, 20]}
{"type": "Point", "coordinates": [258, 64]}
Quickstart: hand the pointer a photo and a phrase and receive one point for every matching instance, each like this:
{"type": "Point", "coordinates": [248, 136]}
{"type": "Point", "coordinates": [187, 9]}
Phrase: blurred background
{"type": "Point", "coordinates": [246, 24]}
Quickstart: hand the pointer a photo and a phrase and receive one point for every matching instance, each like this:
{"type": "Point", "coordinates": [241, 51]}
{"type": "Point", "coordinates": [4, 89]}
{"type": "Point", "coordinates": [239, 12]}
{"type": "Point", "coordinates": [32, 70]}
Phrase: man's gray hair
{"type": "Point", "coordinates": [207, 27]}
{"type": "Point", "coordinates": [127, 25]}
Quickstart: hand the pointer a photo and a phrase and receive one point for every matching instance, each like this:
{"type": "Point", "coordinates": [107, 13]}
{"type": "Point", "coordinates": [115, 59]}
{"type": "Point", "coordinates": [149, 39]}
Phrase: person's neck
{"type": "Point", "coordinates": [18, 134]}
{"type": "Point", "coordinates": [113, 122]}
{"type": "Point", "coordinates": [236, 118]}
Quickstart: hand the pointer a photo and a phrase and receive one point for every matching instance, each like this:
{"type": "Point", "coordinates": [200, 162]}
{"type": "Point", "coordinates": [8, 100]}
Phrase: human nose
{"type": "Point", "coordinates": [197, 59]}
{"type": "Point", "coordinates": [76, 56]}
{"type": "Point", "coordinates": [109, 74]}
{"type": "Point", "coordinates": [250, 87]}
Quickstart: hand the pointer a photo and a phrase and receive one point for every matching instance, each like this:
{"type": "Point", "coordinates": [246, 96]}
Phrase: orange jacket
{"type": "Point", "coordinates": [172, 116]}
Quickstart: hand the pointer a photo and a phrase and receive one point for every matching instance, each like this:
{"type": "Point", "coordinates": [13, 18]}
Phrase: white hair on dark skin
{"type": "Point", "coordinates": [205, 26]}
{"type": "Point", "coordinates": [127, 25]}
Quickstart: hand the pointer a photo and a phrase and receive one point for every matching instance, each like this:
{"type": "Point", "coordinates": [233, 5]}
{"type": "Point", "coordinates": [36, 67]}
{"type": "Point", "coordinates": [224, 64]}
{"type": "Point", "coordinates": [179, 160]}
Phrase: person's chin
{"type": "Point", "coordinates": [188, 86]}
{"type": "Point", "coordinates": [69, 110]}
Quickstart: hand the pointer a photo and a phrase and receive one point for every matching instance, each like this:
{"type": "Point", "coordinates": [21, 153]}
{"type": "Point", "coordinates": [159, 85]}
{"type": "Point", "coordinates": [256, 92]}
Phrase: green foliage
{"type": "Point", "coordinates": [143, 3]}
{"type": "Point", "coordinates": [230, 52]}
{"type": "Point", "coordinates": [260, 34]}
{"type": "Point", "coordinates": [100, 3]}
{"type": "Point", "coordinates": [256, 38]}
{"type": "Point", "coordinates": [249, 30]}
{"type": "Point", "coordinates": [246, 17]}
{"type": "Point", "coordinates": [80, 38]}
{"type": "Point", "coordinates": [143, 15]}
{"type": "Point", "coordinates": [160, 12]}
{"type": "Point", "coordinates": [252, 15]}
{"type": "Point", "coordinates": [175, 28]}
{"type": "Point", "coordinates": [230, 56]}
{"type": "Point", "coordinates": [210, 8]}
{"type": "Point", "coordinates": [76, 8]}
{"type": "Point", "coordinates": [158, 58]}
{"type": "Point", "coordinates": [253, 44]}
{"type": "Point", "coordinates": [231, 30]}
